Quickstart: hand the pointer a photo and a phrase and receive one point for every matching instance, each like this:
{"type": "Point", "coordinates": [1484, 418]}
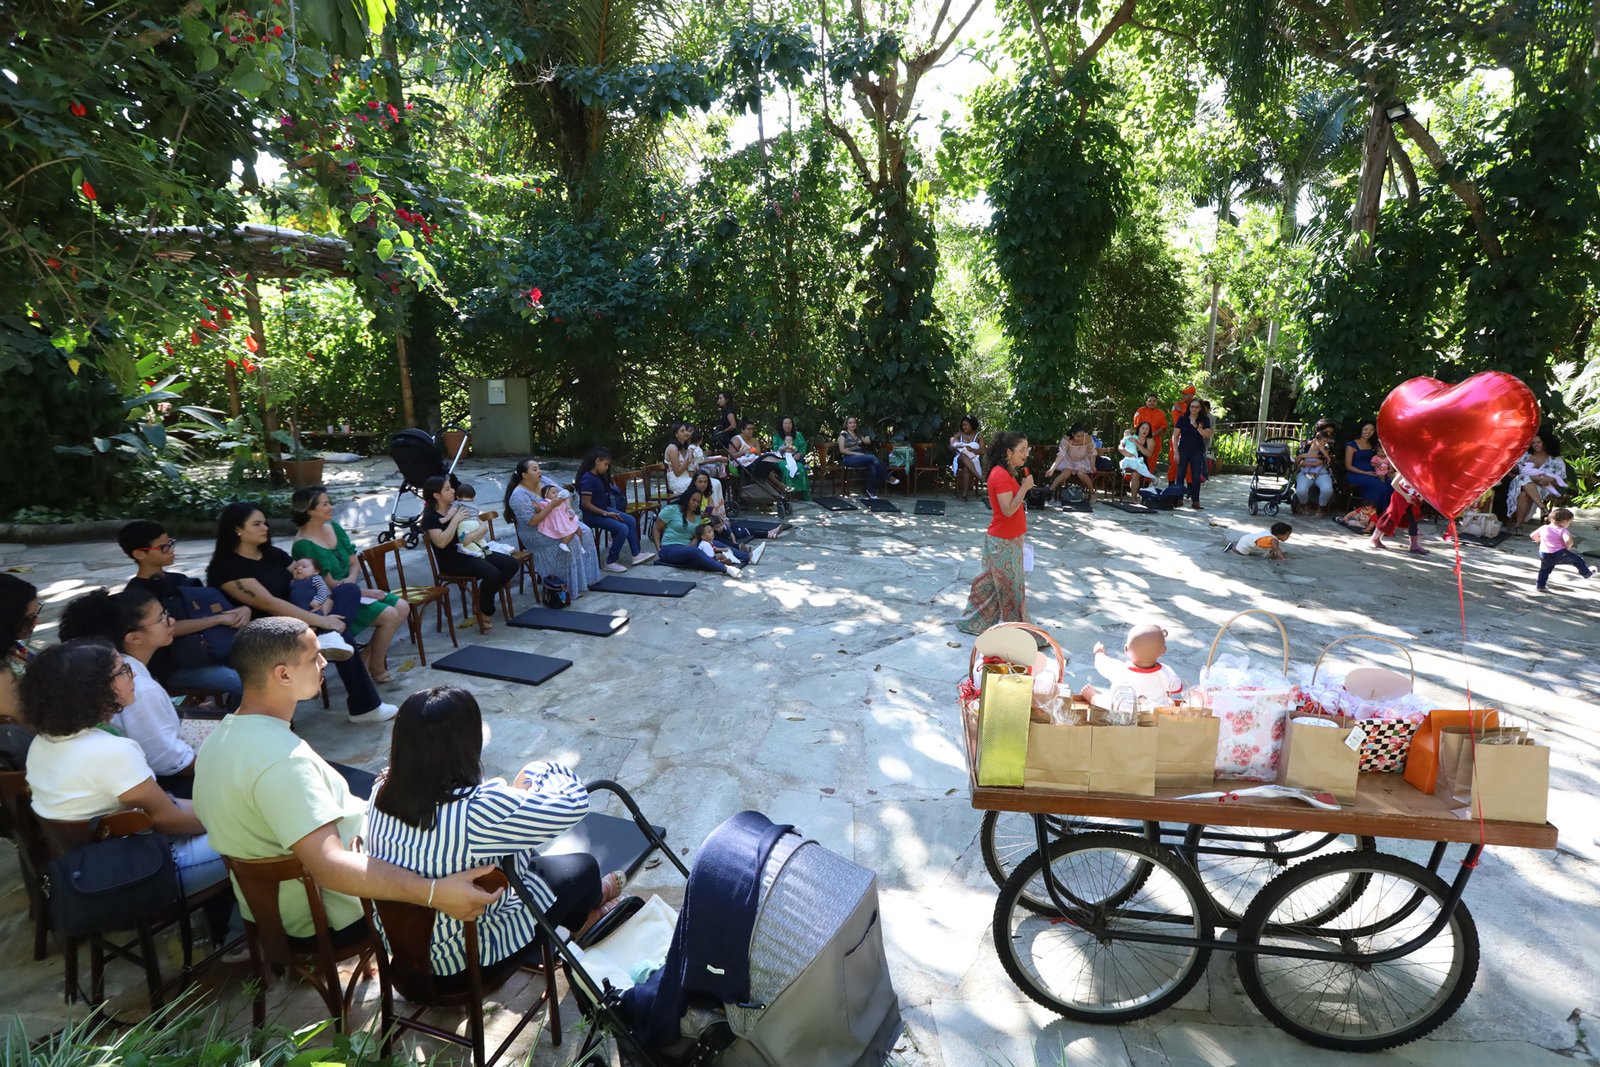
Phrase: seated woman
{"type": "Point", "coordinates": [1138, 449]}
{"type": "Point", "coordinates": [759, 463]}
{"type": "Point", "coordinates": [441, 522]}
{"type": "Point", "coordinates": [434, 813]}
{"type": "Point", "coordinates": [325, 544]}
{"type": "Point", "coordinates": [1315, 464]}
{"type": "Point", "coordinates": [19, 612]}
{"type": "Point", "coordinates": [682, 459]}
{"type": "Point", "coordinates": [597, 507]}
{"type": "Point", "coordinates": [136, 625]}
{"type": "Point", "coordinates": [729, 532]}
{"type": "Point", "coordinates": [675, 535]}
{"type": "Point", "coordinates": [967, 446]}
{"type": "Point", "coordinates": [1538, 476]}
{"type": "Point", "coordinates": [533, 508]}
{"type": "Point", "coordinates": [79, 768]}
{"type": "Point", "coordinates": [1358, 468]}
{"type": "Point", "coordinates": [790, 443]}
{"type": "Point", "coordinates": [856, 452]}
{"type": "Point", "coordinates": [1074, 462]}
{"type": "Point", "coordinates": [254, 573]}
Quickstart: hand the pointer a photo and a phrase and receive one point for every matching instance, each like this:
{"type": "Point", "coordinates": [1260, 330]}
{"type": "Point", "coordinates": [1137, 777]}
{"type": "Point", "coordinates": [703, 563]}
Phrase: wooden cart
{"type": "Point", "coordinates": [1339, 943]}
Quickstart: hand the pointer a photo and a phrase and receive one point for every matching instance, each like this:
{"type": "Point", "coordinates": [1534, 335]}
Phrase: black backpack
{"type": "Point", "coordinates": [114, 884]}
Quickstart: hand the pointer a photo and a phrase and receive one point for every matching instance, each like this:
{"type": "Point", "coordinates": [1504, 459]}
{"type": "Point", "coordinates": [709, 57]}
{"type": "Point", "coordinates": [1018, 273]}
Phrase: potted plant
{"type": "Point", "coordinates": [300, 465]}
{"type": "Point", "coordinates": [450, 439]}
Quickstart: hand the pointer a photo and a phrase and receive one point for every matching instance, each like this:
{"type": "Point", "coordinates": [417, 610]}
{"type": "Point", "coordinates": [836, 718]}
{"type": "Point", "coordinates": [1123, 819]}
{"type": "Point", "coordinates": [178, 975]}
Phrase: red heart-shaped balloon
{"type": "Point", "coordinates": [1453, 442]}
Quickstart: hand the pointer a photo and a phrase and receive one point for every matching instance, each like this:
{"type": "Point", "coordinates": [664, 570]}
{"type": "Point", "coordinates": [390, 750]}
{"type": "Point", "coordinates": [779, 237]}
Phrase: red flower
{"type": "Point", "coordinates": [535, 295]}
{"type": "Point", "coordinates": [373, 104]}
{"type": "Point", "coordinates": [250, 38]}
{"type": "Point", "coordinates": [77, 109]}
{"type": "Point", "coordinates": [227, 316]}
{"type": "Point", "coordinates": [249, 368]}
{"type": "Point", "coordinates": [252, 344]}
{"type": "Point", "coordinates": [194, 337]}
{"type": "Point", "coordinates": [394, 113]}
{"type": "Point", "coordinates": [231, 363]}
{"type": "Point", "coordinates": [53, 263]}
{"type": "Point", "coordinates": [88, 190]}
{"type": "Point", "coordinates": [410, 106]}
{"type": "Point", "coordinates": [276, 31]}
{"type": "Point", "coordinates": [167, 349]}
{"type": "Point", "coordinates": [311, 356]}
{"type": "Point", "coordinates": [402, 214]}
{"type": "Point", "coordinates": [208, 324]}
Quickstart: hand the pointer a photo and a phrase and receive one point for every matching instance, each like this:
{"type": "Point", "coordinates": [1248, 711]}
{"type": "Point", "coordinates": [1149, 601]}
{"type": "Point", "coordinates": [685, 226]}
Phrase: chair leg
{"type": "Point", "coordinates": [41, 930]}
{"type": "Point", "coordinates": [550, 992]}
{"type": "Point", "coordinates": [97, 969]}
{"type": "Point", "coordinates": [152, 964]}
{"type": "Point", "coordinates": [443, 606]}
{"type": "Point", "coordinates": [415, 622]}
{"type": "Point", "coordinates": [69, 958]}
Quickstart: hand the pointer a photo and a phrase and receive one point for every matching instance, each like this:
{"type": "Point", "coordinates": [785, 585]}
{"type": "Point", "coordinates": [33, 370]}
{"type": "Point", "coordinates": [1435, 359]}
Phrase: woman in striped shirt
{"type": "Point", "coordinates": [433, 813]}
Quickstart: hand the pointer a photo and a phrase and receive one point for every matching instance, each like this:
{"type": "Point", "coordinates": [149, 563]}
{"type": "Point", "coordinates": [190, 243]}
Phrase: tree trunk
{"type": "Point", "coordinates": [1369, 187]}
{"type": "Point", "coordinates": [1286, 228]}
{"type": "Point", "coordinates": [1224, 205]}
{"type": "Point", "coordinates": [408, 408]}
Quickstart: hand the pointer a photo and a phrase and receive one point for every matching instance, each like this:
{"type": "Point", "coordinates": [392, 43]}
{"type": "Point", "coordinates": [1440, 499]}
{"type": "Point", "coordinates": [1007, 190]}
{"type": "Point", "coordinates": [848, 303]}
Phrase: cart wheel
{"type": "Point", "coordinates": [1121, 883]}
{"type": "Point", "coordinates": [1006, 838]}
{"type": "Point", "coordinates": [1357, 1006]}
{"type": "Point", "coordinates": [1233, 881]}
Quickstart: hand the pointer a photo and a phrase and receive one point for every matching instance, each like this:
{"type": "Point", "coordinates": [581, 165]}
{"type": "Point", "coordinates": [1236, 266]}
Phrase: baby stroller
{"type": "Point", "coordinates": [1272, 484]}
{"type": "Point", "coordinates": [418, 457]}
{"type": "Point", "coordinates": [750, 491]}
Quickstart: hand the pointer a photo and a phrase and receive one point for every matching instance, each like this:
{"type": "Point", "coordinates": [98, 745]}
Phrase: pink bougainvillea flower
{"type": "Point", "coordinates": [77, 109]}
{"type": "Point", "coordinates": [88, 191]}
{"type": "Point", "coordinates": [285, 120]}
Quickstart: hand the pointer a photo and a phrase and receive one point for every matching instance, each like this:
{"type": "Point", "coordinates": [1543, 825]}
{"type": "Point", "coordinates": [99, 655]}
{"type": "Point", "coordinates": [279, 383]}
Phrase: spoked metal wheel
{"type": "Point", "coordinates": [1112, 883]}
{"type": "Point", "coordinates": [1361, 1005]}
{"type": "Point", "coordinates": [1233, 881]}
{"type": "Point", "coordinates": [1007, 838]}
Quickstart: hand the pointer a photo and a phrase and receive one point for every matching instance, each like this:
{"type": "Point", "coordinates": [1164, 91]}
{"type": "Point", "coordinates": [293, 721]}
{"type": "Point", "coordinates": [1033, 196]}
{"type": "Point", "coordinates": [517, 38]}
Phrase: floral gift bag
{"type": "Point", "coordinates": [1252, 707]}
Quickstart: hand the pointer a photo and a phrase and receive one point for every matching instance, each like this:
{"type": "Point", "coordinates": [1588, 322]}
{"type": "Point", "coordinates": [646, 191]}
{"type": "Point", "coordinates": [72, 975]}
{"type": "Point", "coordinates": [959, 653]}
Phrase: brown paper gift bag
{"type": "Point", "coordinates": [1321, 758]}
{"type": "Point", "coordinates": [1422, 764]}
{"type": "Point", "coordinates": [1502, 774]}
{"type": "Point", "coordinates": [1058, 757]}
{"type": "Point", "coordinates": [1123, 759]}
{"type": "Point", "coordinates": [1186, 748]}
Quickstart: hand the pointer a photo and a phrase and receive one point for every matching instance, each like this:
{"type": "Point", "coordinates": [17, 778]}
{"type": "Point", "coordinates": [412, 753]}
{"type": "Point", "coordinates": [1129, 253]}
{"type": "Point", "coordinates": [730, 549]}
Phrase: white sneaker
{"type": "Point", "coordinates": [639, 561]}
{"type": "Point", "coordinates": [381, 713]}
{"type": "Point", "coordinates": [334, 647]}
{"type": "Point", "coordinates": [564, 547]}
{"type": "Point", "coordinates": [755, 553]}
{"type": "Point", "coordinates": [615, 568]}
{"type": "Point", "coordinates": [733, 574]}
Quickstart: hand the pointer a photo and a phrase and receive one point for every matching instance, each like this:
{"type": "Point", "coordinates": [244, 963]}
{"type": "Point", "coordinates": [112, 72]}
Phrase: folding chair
{"type": "Point", "coordinates": [408, 932]}
{"type": "Point", "coordinates": [316, 958]}
{"type": "Point", "coordinates": [375, 571]}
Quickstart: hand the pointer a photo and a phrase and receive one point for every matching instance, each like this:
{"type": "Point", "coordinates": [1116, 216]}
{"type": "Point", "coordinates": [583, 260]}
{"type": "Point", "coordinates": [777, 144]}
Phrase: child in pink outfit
{"type": "Point", "coordinates": [559, 523]}
{"type": "Point", "coordinates": [1556, 547]}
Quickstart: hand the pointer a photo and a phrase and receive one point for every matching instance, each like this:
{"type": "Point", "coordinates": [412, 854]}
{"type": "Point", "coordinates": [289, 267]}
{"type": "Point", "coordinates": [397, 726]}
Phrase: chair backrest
{"type": "Point", "coordinates": [26, 831]}
{"type": "Point", "coordinates": [433, 560]}
{"type": "Point", "coordinates": [408, 932]}
{"type": "Point", "coordinates": [375, 569]}
{"type": "Point", "coordinates": [259, 882]}
{"type": "Point", "coordinates": [923, 454]}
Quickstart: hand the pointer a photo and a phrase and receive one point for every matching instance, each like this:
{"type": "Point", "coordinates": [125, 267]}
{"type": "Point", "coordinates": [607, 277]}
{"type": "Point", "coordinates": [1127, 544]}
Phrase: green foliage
{"type": "Point", "coordinates": [1234, 449]}
{"type": "Point", "coordinates": [1131, 331]}
{"type": "Point", "coordinates": [1057, 191]}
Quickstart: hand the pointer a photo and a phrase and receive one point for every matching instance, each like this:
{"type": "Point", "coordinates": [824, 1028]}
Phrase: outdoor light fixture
{"type": "Point", "coordinates": [1396, 112]}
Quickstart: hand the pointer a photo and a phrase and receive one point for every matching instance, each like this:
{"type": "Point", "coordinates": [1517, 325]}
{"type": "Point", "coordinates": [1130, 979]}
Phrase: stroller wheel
{"type": "Point", "coordinates": [1272, 509]}
{"type": "Point", "coordinates": [412, 539]}
{"type": "Point", "coordinates": [1253, 507]}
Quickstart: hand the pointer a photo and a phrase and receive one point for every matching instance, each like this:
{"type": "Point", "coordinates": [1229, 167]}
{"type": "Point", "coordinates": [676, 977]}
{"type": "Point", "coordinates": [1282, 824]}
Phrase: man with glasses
{"type": "Point", "coordinates": [149, 545]}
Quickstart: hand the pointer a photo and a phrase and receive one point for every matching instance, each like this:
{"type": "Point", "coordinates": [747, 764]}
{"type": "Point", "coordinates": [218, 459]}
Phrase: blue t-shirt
{"type": "Point", "coordinates": [1361, 461]}
{"type": "Point", "coordinates": [600, 490]}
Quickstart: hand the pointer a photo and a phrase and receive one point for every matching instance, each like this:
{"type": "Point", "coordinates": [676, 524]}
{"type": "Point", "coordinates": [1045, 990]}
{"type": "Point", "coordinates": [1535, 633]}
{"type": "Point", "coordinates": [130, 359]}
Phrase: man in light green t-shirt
{"type": "Point", "coordinates": [262, 793]}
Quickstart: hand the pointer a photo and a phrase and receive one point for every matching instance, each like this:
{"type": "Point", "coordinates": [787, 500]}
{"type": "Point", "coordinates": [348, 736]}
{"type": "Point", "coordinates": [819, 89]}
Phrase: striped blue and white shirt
{"type": "Point", "coordinates": [480, 826]}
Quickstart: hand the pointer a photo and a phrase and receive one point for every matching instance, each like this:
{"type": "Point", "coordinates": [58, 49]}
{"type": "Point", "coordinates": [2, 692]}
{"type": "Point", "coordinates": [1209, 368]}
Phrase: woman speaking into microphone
{"type": "Point", "coordinates": [997, 592]}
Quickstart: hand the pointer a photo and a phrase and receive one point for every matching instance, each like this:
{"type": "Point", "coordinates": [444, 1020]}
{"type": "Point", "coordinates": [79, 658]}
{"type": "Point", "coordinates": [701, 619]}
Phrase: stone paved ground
{"type": "Point", "coordinates": [822, 694]}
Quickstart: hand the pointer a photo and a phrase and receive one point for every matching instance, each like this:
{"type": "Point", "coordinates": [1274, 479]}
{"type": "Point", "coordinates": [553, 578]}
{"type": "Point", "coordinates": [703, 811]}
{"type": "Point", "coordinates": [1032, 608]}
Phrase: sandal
{"type": "Point", "coordinates": [612, 885]}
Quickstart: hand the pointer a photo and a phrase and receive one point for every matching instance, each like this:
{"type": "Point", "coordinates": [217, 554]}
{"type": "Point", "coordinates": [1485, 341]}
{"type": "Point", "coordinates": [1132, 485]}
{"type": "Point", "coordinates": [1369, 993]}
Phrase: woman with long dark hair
{"type": "Point", "coordinates": [597, 508]}
{"type": "Point", "coordinates": [1358, 456]}
{"type": "Point", "coordinates": [675, 534]}
{"type": "Point", "coordinates": [441, 521]}
{"type": "Point", "coordinates": [966, 448]}
{"type": "Point", "coordinates": [254, 573]}
{"type": "Point", "coordinates": [434, 813]}
{"type": "Point", "coordinates": [19, 612]}
{"type": "Point", "coordinates": [529, 502]}
{"type": "Point", "coordinates": [998, 593]}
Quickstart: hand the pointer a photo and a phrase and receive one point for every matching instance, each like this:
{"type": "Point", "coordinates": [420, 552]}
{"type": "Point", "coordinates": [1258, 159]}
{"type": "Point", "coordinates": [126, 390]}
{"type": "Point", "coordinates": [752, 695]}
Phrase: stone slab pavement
{"type": "Point", "coordinates": [822, 693]}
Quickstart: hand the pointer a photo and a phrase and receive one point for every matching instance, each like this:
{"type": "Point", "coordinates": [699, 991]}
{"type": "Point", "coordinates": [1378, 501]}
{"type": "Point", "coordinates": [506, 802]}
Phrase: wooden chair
{"type": "Point", "coordinates": [467, 585]}
{"type": "Point", "coordinates": [1107, 483]}
{"type": "Point", "coordinates": [833, 466]}
{"type": "Point", "coordinates": [923, 466]}
{"type": "Point", "coordinates": [525, 568]}
{"type": "Point", "coordinates": [657, 491]}
{"type": "Point", "coordinates": [315, 959]}
{"type": "Point", "coordinates": [408, 931]}
{"type": "Point", "coordinates": [33, 855]}
{"type": "Point", "coordinates": [635, 495]}
{"type": "Point", "coordinates": [60, 838]}
{"type": "Point", "coordinates": [375, 572]}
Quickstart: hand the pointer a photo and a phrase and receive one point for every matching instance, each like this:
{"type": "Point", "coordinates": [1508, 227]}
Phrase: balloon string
{"type": "Point", "coordinates": [1472, 728]}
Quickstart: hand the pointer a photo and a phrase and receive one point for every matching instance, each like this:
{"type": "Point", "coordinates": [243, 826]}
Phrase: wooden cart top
{"type": "Point", "coordinates": [1386, 806]}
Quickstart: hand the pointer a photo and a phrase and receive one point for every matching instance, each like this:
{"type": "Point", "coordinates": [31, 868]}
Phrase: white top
{"type": "Point", "coordinates": [1158, 685]}
{"type": "Point", "coordinates": [83, 775]}
{"type": "Point", "coordinates": [152, 721]}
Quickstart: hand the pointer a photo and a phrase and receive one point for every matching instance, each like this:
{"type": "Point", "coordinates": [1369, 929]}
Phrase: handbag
{"type": "Point", "coordinates": [556, 594]}
{"type": "Point", "coordinates": [114, 884]}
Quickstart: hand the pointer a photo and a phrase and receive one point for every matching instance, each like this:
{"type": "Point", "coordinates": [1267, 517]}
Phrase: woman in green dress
{"type": "Point", "coordinates": [789, 442]}
{"type": "Point", "coordinates": [324, 542]}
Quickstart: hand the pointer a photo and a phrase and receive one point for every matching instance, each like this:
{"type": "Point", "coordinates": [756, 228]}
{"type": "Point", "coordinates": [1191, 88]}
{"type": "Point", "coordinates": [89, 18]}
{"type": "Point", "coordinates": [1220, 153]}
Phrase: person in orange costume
{"type": "Point", "coordinates": [1156, 418]}
{"type": "Point", "coordinates": [1177, 413]}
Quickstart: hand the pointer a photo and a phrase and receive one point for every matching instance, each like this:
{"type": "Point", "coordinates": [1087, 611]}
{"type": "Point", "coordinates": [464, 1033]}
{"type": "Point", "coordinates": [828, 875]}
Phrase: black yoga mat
{"type": "Point", "coordinates": [1131, 509]}
{"type": "Point", "coordinates": [878, 505]}
{"type": "Point", "coordinates": [484, 661]}
{"type": "Point", "coordinates": [569, 621]}
{"type": "Point", "coordinates": [833, 503]}
{"type": "Point", "coordinates": [1487, 542]}
{"type": "Point", "coordinates": [616, 844]}
{"type": "Point", "coordinates": [929, 507]}
{"type": "Point", "coordinates": [641, 586]}
{"type": "Point", "coordinates": [761, 526]}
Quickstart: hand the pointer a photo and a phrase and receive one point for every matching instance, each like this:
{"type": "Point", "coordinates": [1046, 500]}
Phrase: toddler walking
{"type": "Point", "coordinates": [1556, 548]}
{"type": "Point", "coordinates": [1404, 506]}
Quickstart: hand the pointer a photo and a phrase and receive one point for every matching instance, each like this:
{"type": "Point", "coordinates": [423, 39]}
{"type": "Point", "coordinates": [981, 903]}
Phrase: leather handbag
{"type": "Point", "coordinates": [114, 884]}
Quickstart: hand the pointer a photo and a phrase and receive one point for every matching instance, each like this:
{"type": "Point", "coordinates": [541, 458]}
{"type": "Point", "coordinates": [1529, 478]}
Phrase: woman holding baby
{"type": "Point", "coordinates": [542, 528]}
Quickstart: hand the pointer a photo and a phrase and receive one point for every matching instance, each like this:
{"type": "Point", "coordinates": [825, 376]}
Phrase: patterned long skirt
{"type": "Point", "coordinates": [997, 592]}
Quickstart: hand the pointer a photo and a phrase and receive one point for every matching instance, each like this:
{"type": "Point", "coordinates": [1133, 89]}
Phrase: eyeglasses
{"type": "Point", "coordinates": [124, 671]}
{"type": "Point", "coordinates": [165, 616]}
{"type": "Point", "coordinates": [32, 616]}
{"type": "Point", "coordinates": [166, 546]}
